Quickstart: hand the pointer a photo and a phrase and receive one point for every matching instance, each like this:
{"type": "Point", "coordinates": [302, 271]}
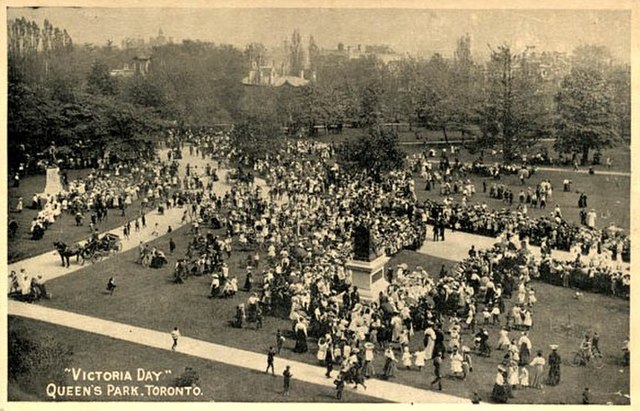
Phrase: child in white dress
{"type": "Point", "coordinates": [503, 339]}
{"type": "Point", "coordinates": [420, 357]}
{"type": "Point", "coordinates": [524, 377]}
{"type": "Point", "coordinates": [406, 358]}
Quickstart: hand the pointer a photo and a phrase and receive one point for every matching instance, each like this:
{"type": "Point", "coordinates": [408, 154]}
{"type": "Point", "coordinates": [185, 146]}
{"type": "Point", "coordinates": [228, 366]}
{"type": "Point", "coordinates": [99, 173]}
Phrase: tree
{"type": "Point", "coordinates": [592, 57]}
{"type": "Point", "coordinates": [586, 119]}
{"type": "Point", "coordinates": [375, 153]}
{"type": "Point", "coordinates": [255, 54]}
{"type": "Point", "coordinates": [314, 53]}
{"type": "Point", "coordinates": [99, 80]}
{"type": "Point", "coordinates": [371, 105]}
{"type": "Point", "coordinates": [620, 80]}
{"type": "Point", "coordinates": [513, 114]}
{"type": "Point", "coordinates": [296, 54]}
{"type": "Point", "coordinates": [257, 137]}
{"type": "Point", "coordinates": [465, 87]}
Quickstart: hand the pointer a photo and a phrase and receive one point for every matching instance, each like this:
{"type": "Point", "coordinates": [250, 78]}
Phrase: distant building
{"type": "Point", "coordinates": [552, 66]}
{"type": "Point", "coordinates": [267, 76]}
{"type": "Point", "coordinates": [382, 52]}
{"type": "Point", "coordinates": [160, 40]}
{"type": "Point", "coordinates": [140, 65]}
{"type": "Point", "coordinates": [139, 44]}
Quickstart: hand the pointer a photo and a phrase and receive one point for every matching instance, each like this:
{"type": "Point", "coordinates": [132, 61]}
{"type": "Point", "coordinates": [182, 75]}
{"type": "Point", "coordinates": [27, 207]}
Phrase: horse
{"type": "Point", "coordinates": [67, 252]}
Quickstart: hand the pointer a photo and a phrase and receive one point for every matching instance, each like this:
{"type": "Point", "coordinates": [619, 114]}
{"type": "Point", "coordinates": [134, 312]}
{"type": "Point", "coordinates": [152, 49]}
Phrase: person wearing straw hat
{"type": "Point", "coordinates": [500, 393]}
{"type": "Point", "coordinates": [554, 366]}
{"type": "Point", "coordinates": [390, 364]}
{"type": "Point", "coordinates": [368, 369]}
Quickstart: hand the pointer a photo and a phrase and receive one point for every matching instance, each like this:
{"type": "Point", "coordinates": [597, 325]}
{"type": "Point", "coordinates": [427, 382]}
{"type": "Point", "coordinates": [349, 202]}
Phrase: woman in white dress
{"type": "Point", "coordinates": [322, 350]}
{"type": "Point", "coordinates": [456, 362]}
{"type": "Point", "coordinates": [368, 359]}
{"type": "Point", "coordinates": [430, 341]}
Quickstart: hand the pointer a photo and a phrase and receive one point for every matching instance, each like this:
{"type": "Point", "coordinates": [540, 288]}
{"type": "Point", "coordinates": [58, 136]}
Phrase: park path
{"type": "Point", "coordinates": [457, 244]}
{"type": "Point", "coordinates": [384, 390]}
{"type": "Point", "coordinates": [569, 171]}
{"type": "Point", "coordinates": [48, 264]}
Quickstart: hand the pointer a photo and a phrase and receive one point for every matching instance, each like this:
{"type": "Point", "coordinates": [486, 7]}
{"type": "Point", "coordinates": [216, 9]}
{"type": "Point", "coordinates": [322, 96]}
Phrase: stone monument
{"type": "Point", "coordinates": [53, 182]}
{"type": "Point", "coordinates": [368, 265]}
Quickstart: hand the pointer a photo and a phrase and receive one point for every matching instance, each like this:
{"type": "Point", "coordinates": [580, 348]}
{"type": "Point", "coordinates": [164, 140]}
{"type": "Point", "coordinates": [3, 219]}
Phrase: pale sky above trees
{"type": "Point", "coordinates": [419, 32]}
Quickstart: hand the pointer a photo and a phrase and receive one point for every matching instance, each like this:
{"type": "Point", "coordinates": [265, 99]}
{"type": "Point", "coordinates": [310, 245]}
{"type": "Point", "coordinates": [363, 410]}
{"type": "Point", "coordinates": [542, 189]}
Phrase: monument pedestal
{"type": "Point", "coordinates": [368, 276]}
{"type": "Point", "coordinates": [53, 183]}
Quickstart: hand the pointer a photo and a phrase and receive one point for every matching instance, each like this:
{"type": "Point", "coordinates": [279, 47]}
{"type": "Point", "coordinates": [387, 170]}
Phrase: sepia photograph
{"type": "Point", "coordinates": [324, 203]}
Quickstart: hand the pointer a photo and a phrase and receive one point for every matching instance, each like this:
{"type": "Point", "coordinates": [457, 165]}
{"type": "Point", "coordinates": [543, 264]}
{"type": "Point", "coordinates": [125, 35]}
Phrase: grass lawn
{"type": "Point", "coordinates": [608, 195]}
{"type": "Point", "coordinates": [147, 298]}
{"type": "Point", "coordinates": [64, 229]}
{"type": "Point", "coordinates": [620, 155]}
{"type": "Point", "coordinates": [219, 382]}
{"type": "Point", "coordinates": [417, 134]}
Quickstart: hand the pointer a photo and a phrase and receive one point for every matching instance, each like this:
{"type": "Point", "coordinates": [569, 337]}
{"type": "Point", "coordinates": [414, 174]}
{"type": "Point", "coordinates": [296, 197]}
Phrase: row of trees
{"type": "Point", "coordinates": [62, 92]}
{"type": "Point", "coordinates": [506, 103]}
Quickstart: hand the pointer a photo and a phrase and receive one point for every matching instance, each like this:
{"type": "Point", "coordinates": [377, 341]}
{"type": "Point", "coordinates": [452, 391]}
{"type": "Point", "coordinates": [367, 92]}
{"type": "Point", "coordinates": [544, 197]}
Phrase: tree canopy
{"type": "Point", "coordinates": [374, 153]}
{"type": "Point", "coordinates": [586, 119]}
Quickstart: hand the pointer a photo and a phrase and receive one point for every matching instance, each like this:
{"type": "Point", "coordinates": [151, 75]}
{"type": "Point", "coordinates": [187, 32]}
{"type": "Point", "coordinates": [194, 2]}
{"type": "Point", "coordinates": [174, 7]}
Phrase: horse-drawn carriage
{"type": "Point", "coordinates": [99, 248]}
{"type": "Point", "coordinates": [93, 250]}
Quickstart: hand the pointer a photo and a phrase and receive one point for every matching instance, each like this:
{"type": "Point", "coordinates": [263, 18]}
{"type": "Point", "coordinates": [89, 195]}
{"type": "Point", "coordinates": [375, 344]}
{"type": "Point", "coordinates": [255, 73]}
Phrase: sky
{"type": "Point", "coordinates": [419, 32]}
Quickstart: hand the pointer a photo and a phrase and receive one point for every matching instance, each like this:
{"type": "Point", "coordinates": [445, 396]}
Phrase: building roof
{"type": "Point", "coordinates": [279, 82]}
{"type": "Point", "coordinates": [290, 80]}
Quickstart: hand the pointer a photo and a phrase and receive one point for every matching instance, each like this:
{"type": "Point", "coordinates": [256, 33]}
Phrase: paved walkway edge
{"type": "Point", "coordinates": [384, 390]}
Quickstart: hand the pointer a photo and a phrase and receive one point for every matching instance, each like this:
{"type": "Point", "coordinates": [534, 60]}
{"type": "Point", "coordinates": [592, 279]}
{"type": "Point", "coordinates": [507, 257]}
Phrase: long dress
{"type": "Point", "coordinates": [322, 351]}
{"type": "Point", "coordinates": [389, 369]}
{"type": "Point", "coordinates": [525, 353]}
{"type": "Point", "coordinates": [500, 394]}
{"type": "Point", "coordinates": [430, 342]}
{"type": "Point", "coordinates": [456, 363]}
{"type": "Point", "coordinates": [301, 339]}
{"type": "Point", "coordinates": [538, 371]}
{"type": "Point", "coordinates": [554, 368]}
{"type": "Point", "coordinates": [368, 369]}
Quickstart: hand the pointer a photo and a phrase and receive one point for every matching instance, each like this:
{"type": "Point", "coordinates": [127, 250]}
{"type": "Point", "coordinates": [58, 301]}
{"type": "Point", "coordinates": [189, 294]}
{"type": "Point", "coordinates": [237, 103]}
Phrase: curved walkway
{"type": "Point", "coordinates": [49, 265]}
{"type": "Point", "coordinates": [457, 244]}
{"type": "Point", "coordinates": [232, 356]}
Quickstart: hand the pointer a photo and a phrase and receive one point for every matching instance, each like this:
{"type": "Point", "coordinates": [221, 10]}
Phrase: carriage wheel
{"type": "Point", "coordinates": [97, 257]}
{"type": "Point", "coordinates": [597, 361]}
{"type": "Point", "coordinates": [119, 247]}
{"type": "Point", "coordinates": [577, 360]}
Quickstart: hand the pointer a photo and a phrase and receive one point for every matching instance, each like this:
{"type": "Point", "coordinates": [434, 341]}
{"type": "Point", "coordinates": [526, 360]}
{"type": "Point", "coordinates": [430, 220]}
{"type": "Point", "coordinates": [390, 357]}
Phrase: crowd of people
{"type": "Point", "coordinates": [478, 218]}
{"type": "Point", "coordinates": [298, 231]}
{"type": "Point", "coordinates": [111, 187]}
{"type": "Point", "coordinates": [305, 223]}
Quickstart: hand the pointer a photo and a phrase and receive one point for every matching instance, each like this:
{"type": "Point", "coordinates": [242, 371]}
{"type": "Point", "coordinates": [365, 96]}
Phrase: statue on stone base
{"type": "Point", "coordinates": [364, 244]}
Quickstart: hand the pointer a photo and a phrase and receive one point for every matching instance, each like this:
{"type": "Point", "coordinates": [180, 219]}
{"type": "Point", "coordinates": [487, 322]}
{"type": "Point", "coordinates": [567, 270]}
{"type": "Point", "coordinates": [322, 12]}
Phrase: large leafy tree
{"type": "Point", "coordinates": [586, 119]}
{"type": "Point", "coordinates": [296, 54]}
{"type": "Point", "coordinates": [374, 153]}
{"type": "Point", "coordinates": [257, 136]}
{"type": "Point", "coordinates": [620, 80]}
{"type": "Point", "coordinates": [100, 81]}
{"type": "Point", "coordinates": [513, 113]}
